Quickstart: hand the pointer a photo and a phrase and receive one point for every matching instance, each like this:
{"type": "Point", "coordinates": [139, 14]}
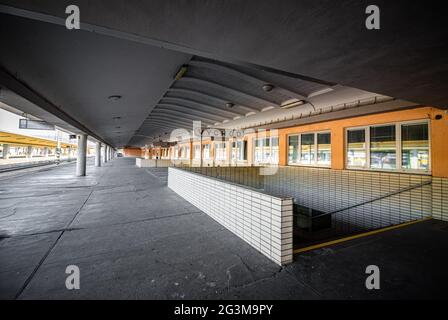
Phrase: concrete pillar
{"type": "Point", "coordinates": [5, 154]}
{"type": "Point", "coordinates": [98, 154]}
{"type": "Point", "coordinates": [29, 152]}
{"type": "Point", "coordinates": [105, 154]}
{"type": "Point", "coordinates": [82, 152]}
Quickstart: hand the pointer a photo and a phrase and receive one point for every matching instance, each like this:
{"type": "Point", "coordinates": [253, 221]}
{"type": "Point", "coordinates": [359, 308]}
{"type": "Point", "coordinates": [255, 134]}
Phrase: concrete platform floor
{"type": "Point", "coordinates": [133, 238]}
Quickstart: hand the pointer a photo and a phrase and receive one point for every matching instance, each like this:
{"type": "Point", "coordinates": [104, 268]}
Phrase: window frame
{"type": "Point", "coordinates": [398, 147]}
{"type": "Point", "coordinates": [270, 150]}
{"type": "Point", "coordinates": [237, 150]}
{"type": "Point", "coordinates": [315, 164]}
{"type": "Point", "coordinates": [196, 155]}
{"type": "Point", "coordinates": [209, 149]}
{"type": "Point", "coordinates": [218, 145]}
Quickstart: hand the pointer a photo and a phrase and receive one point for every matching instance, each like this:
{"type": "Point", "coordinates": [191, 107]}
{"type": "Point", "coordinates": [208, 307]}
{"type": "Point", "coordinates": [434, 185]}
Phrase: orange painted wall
{"type": "Point", "coordinates": [132, 152]}
{"type": "Point", "coordinates": [438, 130]}
{"type": "Point", "coordinates": [439, 144]}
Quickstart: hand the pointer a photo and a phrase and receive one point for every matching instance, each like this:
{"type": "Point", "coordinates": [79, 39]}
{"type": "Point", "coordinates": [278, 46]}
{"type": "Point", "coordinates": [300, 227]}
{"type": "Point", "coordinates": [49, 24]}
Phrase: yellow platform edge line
{"type": "Point", "coordinates": [357, 236]}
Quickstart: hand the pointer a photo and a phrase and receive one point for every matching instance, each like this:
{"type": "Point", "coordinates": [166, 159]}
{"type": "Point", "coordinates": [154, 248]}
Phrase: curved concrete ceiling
{"type": "Point", "coordinates": [307, 52]}
{"type": "Point", "coordinates": [407, 58]}
{"type": "Point", "coordinates": [78, 71]}
{"type": "Point", "coordinates": [204, 89]}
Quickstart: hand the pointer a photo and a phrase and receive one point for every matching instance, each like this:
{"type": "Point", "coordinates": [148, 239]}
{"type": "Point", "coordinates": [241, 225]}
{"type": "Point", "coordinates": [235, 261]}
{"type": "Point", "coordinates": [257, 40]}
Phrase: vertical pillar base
{"type": "Point", "coordinates": [82, 153]}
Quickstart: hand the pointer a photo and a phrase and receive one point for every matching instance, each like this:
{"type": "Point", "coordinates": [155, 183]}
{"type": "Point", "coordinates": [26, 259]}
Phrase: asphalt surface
{"type": "Point", "coordinates": [133, 238]}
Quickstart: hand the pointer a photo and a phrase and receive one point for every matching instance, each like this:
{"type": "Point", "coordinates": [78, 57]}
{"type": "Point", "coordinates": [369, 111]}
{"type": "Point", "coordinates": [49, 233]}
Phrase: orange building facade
{"type": "Point", "coordinates": [405, 141]}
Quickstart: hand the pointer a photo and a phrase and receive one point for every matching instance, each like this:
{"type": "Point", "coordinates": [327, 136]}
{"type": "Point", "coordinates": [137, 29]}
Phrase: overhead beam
{"type": "Point", "coordinates": [233, 91]}
{"type": "Point", "coordinates": [167, 125]}
{"type": "Point", "coordinates": [250, 78]}
{"type": "Point", "coordinates": [209, 96]}
{"type": "Point", "coordinates": [203, 115]}
{"type": "Point", "coordinates": [201, 105]}
{"type": "Point", "coordinates": [175, 106]}
{"type": "Point", "coordinates": [172, 120]}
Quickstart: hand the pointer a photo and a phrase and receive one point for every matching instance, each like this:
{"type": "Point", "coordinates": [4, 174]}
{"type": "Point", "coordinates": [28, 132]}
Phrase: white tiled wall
{"type": "Point", "coordinates": [263, 221]}
{"type": "Point", "coordinates": [152, 163]}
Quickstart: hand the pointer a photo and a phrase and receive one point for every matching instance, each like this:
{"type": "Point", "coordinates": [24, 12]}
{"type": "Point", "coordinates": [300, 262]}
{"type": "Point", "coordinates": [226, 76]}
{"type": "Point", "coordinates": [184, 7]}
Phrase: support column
{"type": "Point", "coordinates": [98, 154]}
{"type": "Point", "coordinates": [105, 154]}
{"type": "Point", "coordinates": [82, 152]}
{"type": "Point", "coordinates": [5, 151]}
{"type": "Point", "coordinates": [29, 152]}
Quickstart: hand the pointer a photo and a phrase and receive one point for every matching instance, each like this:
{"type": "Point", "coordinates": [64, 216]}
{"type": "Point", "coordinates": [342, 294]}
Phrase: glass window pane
{"type": "Point", "coordinates": [206, 152]}
{"type": "Point", "coordinates": [244, 148]}
{"type": "Point", "coordinates": [197, 152]}
{"type": "Point", "coordinates": [257, 151]}
{"type": "Point", "coordinates": [220, 151]}
{"type": "Point", "coordinates": [274, 151]}
{"type": "Point", "coordinates": [324, 149]}
{"type": "Point", "coordinates": [241, 150]}
{"type": "Point", "coordinates": [382, 147]}
{"type": "Point", "coordinates": [415, 146]}
{"type": "Point", "coordinates": [307, 148]}
{"type": "Point", "coordinates": [293, 149]}
{"type": "Point", "coordinates": [234, 151]}
{"type": "Point", "coordinates": [356, 148]}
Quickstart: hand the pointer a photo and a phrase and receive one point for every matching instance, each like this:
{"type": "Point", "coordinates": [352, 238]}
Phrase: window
{"type": "Point", "coordinates": [307, 148]}
{"type": "Point", "coordinates": [181, 152]}
{"type": "Point", "coordinates": [176, 152]}
{"type": "Point", "coordinates": [356, 148]}
{"type": "Point", "coordinates": [185, 152]}
{"type": "Point", "coordinates": [197, 152]}
{"type": "Point", "coordinates": [324, 149]}
{"type": "Point", "coordinates": [206, 152]}
{"type": "Point", "coordinates": [293, 149]}
{"type": "Point", "coordinates": [266, 150]}
{"type": "Point", "coordinates": [239, 150]}
{"type": "Point", "coordinates": [220, 151]}
{"type": "Point", "coordinates": [415, 146]}
{"type": "Point", "coordinates": [400, 146]}
{"type": "Point", "coordinates": [310, 149]}
{"type": "Point", "coordinates": [383, 147]}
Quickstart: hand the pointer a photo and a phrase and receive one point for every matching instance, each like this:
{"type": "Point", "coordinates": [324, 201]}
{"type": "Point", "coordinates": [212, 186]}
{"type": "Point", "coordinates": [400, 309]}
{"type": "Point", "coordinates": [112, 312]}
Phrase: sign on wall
{"type": "Point", "coordinates": [35, 125]}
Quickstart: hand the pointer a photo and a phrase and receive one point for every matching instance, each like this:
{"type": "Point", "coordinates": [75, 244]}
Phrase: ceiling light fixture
{"type": "Point", "coordinates": [114, 97]}
{"type": "Point", "coordinates": [181, 72]}
{"type": "Point", "coordinates": [292, 104]}
{"type": "Point", "coordinates": [268, 87]}
{"type": "Point", "coordinates": [230, 105]}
